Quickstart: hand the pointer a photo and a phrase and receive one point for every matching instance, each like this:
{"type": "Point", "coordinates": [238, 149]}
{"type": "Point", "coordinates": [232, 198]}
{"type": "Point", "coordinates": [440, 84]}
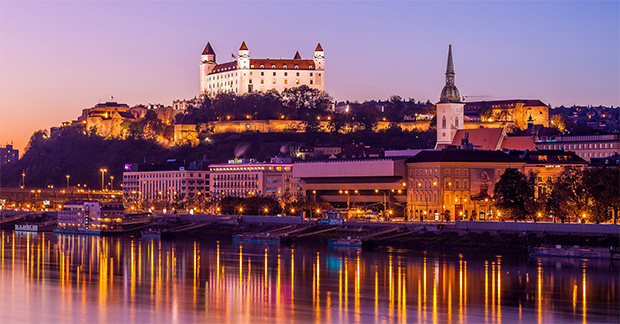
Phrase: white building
{"type": "Point", "coordinates": [245, 74]}
{"type": "Point", "coordinates": [449, 108]}
{"type": "Point", "coordinates": [90, 215]}
{"type": "Point", "coordinates": [246, 178]}
{"type": "Point", "coordinates": [165, 182]}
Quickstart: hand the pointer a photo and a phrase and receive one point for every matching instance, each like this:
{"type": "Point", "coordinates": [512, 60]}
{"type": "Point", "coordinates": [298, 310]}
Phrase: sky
{"type": "Point", "coordinates": [59, 57]}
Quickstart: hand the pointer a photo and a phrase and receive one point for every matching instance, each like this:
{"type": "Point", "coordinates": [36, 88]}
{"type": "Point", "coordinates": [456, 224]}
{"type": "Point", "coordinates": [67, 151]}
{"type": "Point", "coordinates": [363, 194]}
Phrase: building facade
{"type": "Point", "coordinates": [547, 165]}
{"type": "Point", "coordinates": [455, 183]}
{"type": "Point", "coordinates": [247, 178]}
{"type": "Point", "coordinates": [165, 182]}
{"type": "Point", "coordinates": [245, 74]}
{"type": "Point", "coordinates": [521, 112]}
{"type": "Point", "coordinates": [91, 215]}
{"type": "Point", "coordinates": [8, 154]}
{"type": "Point", "coordinates": [587, 146]}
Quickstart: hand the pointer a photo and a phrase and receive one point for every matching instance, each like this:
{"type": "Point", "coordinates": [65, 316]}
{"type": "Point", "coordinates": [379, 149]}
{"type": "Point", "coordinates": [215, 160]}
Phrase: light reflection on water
{"type": "Point", "coordinates": [51, 278]}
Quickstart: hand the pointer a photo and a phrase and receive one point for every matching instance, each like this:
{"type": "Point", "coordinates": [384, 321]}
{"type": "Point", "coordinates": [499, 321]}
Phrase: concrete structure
{"type": "Point", "coordinates": [450, 117]}
{"type": "Point", "coordinates": [587, 146]}
{"type": "Point", "coordinates": [547, 164]}
{"type": "Point", "coordinates": [442, 184]}
{"type": "Point", "coordinates": [90, 215]}
{"type": "Point", "coordinates": [8, 154]}
{"type": "Point", "coordinates": [521, 112]}
{"type": "Point", "coordinates": [247, 178]}
{"type": "Point", "coordinates": [165, 182]}
{"type": "Point", "coordinates": [245, 75]}
{"type": "Point", "coordinates": [375, 183]}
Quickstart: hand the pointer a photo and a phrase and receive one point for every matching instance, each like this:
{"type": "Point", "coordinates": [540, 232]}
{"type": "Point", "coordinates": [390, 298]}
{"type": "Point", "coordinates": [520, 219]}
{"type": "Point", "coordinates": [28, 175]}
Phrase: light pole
{"type": "Point", "coordinates": [68, 176]}
{"type": "Point", "coordinates": [23, 179]}
{"type": "Point", "coordinates": [103, 171]}
{"type": "Point", "coordinates": [112, 182]}
{"type": "Point", "coordinates": [384, 201]}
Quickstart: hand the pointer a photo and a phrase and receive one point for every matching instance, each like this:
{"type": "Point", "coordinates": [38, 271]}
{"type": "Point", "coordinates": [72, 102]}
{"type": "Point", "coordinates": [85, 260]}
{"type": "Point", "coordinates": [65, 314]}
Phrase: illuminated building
{"type": "Point", "coordinates": [86, 215]}
{"type": "Point", "coordinates": [8, 154]}
{"type": "Point", "coordinates": [442, 184]}
{"type": "Point", "coordinates": [587, 146]}
{"type": "Point", "coordinates": [547, 164]}
{"type": "Point", "coordinates": [521, 112]}
{"type": "Point", "coordinates": [244, 74]}
{"type": "Point", "coordinates": [165, 182]}
{"type": "Point", "coordinates": [355, 183]}
{"type": "Point", "coordinates": [246, 178]}
{"type": "Point", "coordinates": [449, 108]}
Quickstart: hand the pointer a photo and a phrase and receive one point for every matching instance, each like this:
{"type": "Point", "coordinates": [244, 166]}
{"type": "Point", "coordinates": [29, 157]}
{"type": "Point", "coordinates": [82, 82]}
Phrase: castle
{"type": "Point", "coordinates": [245, 74]}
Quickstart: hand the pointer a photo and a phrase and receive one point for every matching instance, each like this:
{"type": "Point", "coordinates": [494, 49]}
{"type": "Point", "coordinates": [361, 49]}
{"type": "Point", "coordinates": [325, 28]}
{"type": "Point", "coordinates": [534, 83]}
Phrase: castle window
{"type": "Point", "coordinates": [273, 66]}
{"type": "Point", "coordinates": [296, 66]}
{"type": "Point", "coordinates": [297, 73]}
{"type": "Point", "coordinates": [456, 122]}
{"type": "Point", "coordinates": [250, 73]}
{"type": "Point", "coordinates": [310, 73]}
{"type": "Point", "coordinates": [250, 81]}
{"type": "Point", "coordinates": [274, 74]}
{"type": "Point", "coordinates": [252, 66]}
{"type": "Point", "coordinates": [262, 81]}
{"type": "Point", "coordinates": [285, 81]}
{"type": "Point", "coordinates": [285, 73]}
{"type": "Point", "coordinates": [274, 81]}
{"type": "Point", "coordinates": [319, 74]}
{"type": "Point", "coordinates": [443, 122]}
{"type": "Point", "coordinates": [284, 66]}
{"type": "Point", "coordinates": [311, 82]}
{"type": "Point", "coordinates": [296, 81]}
{"type": "Point", "coordinates": [262, 66]}
{"type": "Point", "coordinates": [262, 74]}
{"type": "Point", "coordinates": [310, 66]}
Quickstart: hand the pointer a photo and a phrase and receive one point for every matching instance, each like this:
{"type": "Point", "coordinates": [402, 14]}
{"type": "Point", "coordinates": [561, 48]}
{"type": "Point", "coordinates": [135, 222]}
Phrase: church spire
{"type": "Point", "coordinates": [450, 93]}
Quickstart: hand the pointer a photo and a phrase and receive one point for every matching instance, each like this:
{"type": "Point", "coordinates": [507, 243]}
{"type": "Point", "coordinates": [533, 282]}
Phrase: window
{"type": "Point", "coordinates": [285, 81]}
{"type": "Point", "coordinates": [251, 71]}
{"type": "Point", "coordinates": [285, 73]}
{"type": "Point", "coordinates": [274, 81]}
{"type": "Point", "coordinates": [262, 66]}
{"type": "Point", "coordinates": [274, 74]}
{"type": "Point", "coordinates": [310, 73]}
{"type": "Point", "coordinates": [296, 81]}
{"type": "Point", "coordinates": [252, 66]}
{"type": "Point", "coordinates": [297, 73]}
{"type": "Point", "coordinates": [262, 74]}
{"type": "Point", "coordinates": [284, 66]}
{"type": "Point", "coordinates": [310, 66]}
{"type": "Point", "coordinates": [456, 122]}
{"type": "Point", "coordinates": [443, 122]}
{"type": "Point", "coordinates": [273, 66]}
{"type": "Point", "coordinates": [262, 81]}
{"type": "Point", "coordinates": [310, 81]}
{"type": "Point", "coordinates": [250, 81]}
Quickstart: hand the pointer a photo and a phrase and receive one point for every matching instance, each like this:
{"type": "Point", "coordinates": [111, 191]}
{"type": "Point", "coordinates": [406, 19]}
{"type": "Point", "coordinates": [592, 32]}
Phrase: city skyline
{"type": "Point", "coordinates": [59, 58]}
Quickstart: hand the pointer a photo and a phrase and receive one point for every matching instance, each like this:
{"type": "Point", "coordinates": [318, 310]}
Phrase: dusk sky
{"type": "Point", "coordinates": [57, 58]}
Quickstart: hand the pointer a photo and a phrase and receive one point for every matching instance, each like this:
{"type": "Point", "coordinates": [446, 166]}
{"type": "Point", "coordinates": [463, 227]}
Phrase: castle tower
{"type": "Point", "coordinates": [243, 61]}
{"type": "Point", "coordinates": [207, 64]}
{"type": "Point", "coordinates": [449, 108]}
{"type": "Point", "coordinates": [319, 57]}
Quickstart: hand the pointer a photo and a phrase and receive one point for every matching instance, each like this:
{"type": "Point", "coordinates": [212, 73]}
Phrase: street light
{"type": "Point", "coordinates": [103, 171]}
{"type": "Point", "coordinates": [112, 182]}
{"type": "Point", "coordinates": [68, 176]}
{"type": "Point", "coordinates": [23, 179]}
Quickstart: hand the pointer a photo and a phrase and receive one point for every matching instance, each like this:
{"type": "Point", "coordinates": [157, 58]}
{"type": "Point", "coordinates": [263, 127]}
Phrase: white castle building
{"type": "Point", "coordinates": [245, 74]}
{"type": "Point", "coordinates": [449, 108]}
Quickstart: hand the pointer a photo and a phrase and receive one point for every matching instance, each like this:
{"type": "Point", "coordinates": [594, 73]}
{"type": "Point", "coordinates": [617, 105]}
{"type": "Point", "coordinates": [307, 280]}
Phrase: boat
{"type": "Point", "coordinates": [575, 252]}
{"type": "Point", "coordinates": [257, 238]}
{"type": "Point", "coordinates": [151, 234]}
{"type": "Point", "coordinates": [26, 228]}
{"type": "Point", "coordinates": [348, 242]}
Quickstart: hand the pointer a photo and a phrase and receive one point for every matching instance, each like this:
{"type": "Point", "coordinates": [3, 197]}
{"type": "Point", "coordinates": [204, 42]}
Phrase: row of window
{"type": "Point", "coordinates": [578, 146]}
{"type": "Point", "coordinates": [419, 172]}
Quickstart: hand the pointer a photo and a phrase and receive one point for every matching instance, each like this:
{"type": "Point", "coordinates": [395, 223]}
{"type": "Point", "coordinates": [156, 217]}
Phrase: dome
{"type": "Point", "coordinates": [450, 94]}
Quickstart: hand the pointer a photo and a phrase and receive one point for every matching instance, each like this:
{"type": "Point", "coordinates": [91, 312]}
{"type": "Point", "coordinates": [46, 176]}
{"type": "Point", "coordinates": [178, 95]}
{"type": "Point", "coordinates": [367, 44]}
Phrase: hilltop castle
{"type": "Point", "coordinates": [244, 74]}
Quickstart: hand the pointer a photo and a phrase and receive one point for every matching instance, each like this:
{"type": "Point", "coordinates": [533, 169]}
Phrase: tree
{"type": "Point", "coordinates": [562, 122]}
{"type": "Point", "coordinates": [568, 195]}
{"type": "Point", "coordinates": [366, 116]}
{"type": "Point", "coordinates": [602, 192]}
{"type": "Point", "coordinates": [514, 193]}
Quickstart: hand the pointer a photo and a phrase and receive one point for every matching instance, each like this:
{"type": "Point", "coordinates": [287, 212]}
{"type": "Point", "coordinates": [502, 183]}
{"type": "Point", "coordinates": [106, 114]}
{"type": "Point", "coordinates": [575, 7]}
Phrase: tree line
{"type": "Point", "coordinates": [589, 194]}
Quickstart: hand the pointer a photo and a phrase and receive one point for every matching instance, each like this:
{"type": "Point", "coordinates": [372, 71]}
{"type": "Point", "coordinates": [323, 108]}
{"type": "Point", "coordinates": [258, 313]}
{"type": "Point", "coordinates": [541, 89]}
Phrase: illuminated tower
{"type": "Point", "coordinates": [449, 108]}
{"type": "Point", "coordinates": [207, 64]}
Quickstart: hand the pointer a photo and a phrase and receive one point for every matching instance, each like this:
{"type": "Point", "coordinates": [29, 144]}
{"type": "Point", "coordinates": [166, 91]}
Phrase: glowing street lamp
{"type": "Point", "coordinates": [103, 171]}
{"type": "Point", "coordinates": [112, 182]}
{"type": "Point", "coordinates": [68, 176]}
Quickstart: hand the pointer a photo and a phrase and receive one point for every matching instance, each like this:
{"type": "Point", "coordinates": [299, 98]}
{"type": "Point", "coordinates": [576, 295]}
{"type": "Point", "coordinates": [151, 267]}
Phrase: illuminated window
{"type": "Point", "coordinates": [251, 71]}
{"type": "Point", "coordinates": [262, 81]}
{"type": "Point", "coordinates": [273, 66]}
{"type": "Point", "coordinates": [296, 81]}
{"type": "Point", "coordinates": [285, 81]}
{"type": "Point", "coordinates": [310, 66]}
{"type": "Point", "coordinates": [252, 66]}
{"type": "Point", "coordinates": [262, 66]}
{"type": "Point", "coordinates": [250, 81]}
{"type": "Point", "coordinates": [284, 66]}
{"type": "Point", "coordinates": [296, 66]}
{"type": "Point", "coordinates": [274, 81]}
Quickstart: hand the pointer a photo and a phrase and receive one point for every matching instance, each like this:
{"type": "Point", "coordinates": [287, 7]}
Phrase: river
{"type": "Point", "coordinates": [48, 278]}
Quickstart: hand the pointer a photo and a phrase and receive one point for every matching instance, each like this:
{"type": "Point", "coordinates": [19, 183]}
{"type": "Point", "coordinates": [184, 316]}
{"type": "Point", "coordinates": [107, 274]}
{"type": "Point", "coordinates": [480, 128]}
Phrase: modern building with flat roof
{"type": "Point", "coordinates": [587, 146]}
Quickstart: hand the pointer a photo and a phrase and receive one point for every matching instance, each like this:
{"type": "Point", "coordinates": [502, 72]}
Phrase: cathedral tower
{"type": "Point", "coordinates": [449, 108]}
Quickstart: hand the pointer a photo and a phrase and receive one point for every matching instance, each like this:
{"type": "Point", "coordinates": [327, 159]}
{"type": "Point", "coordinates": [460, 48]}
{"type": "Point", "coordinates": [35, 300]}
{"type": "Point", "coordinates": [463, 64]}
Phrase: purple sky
{"type": "Point", "coordinates": [57, 58]}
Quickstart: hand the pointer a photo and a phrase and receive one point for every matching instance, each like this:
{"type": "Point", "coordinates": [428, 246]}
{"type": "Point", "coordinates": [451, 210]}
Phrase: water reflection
{"type": "Point", "coordinates": [66, 278]}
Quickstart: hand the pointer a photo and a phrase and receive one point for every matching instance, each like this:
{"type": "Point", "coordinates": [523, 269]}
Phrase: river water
{"type": "Point", "coordinates": [47, 278]}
